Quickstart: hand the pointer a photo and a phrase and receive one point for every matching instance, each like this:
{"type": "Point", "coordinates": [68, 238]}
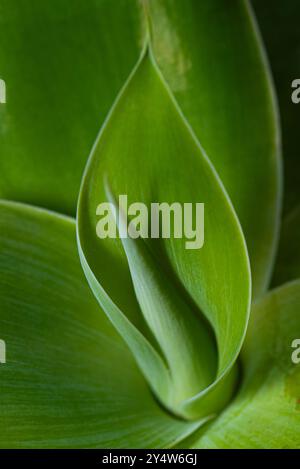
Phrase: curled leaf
{"type": "Point", "coordinates": [183, 312]}
{"type": "Point", "coordinates": [211, 54]}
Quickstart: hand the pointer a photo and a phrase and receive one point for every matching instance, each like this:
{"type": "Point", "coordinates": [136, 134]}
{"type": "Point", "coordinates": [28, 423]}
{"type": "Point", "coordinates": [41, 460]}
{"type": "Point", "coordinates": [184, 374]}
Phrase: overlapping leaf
{"type": "Point", "coordinates": [266, 412]}
{"type": "Point", "coordinates": [211, 55]}
{"type": "Point", "coordinates": [69, 380]}
{"type": "Point", "coordinates": [64, 66]}
{"type": "Point", "coordinates": [182, 313]}
{"type": "Point", "coordinates": [156, 292]}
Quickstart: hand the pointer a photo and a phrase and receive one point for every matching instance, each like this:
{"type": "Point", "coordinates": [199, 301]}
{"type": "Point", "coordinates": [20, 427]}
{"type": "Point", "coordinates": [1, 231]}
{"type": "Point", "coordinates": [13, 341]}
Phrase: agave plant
{"type": "Point", "coordinates": [128, 343]}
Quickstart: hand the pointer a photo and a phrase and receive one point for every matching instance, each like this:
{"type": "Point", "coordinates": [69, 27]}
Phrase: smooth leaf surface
{"type": "Point", "coordinates": [147, 151]}
{"type": "Point", "coordinates": [63, 63]}
{"type": "Point", "coordinates": [69, 380]}
{"type": "Point", "coordinates": [64, 66]}
{"type": "Point", "coordinates": [211, 55]}
{"type": "Point", "coordinates": [266, 411]}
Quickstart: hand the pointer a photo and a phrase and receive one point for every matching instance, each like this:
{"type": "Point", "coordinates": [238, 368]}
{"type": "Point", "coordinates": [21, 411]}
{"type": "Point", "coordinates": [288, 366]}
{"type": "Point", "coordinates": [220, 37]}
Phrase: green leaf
{"type": "Point", "coordinates": [166, 300]}
{"type": "Point", "coordinates": [211, 55]}
{"type": "Point", "coordinates": [280, 29]}
{"type": "Point", "coordinates": [69, 380]}
{"type": "Point", "coordinates": [288, 259]}
{"type": "Point", "coordinates": [266, 411]}
{"type": "Point", "coordinates": [63, 64]}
